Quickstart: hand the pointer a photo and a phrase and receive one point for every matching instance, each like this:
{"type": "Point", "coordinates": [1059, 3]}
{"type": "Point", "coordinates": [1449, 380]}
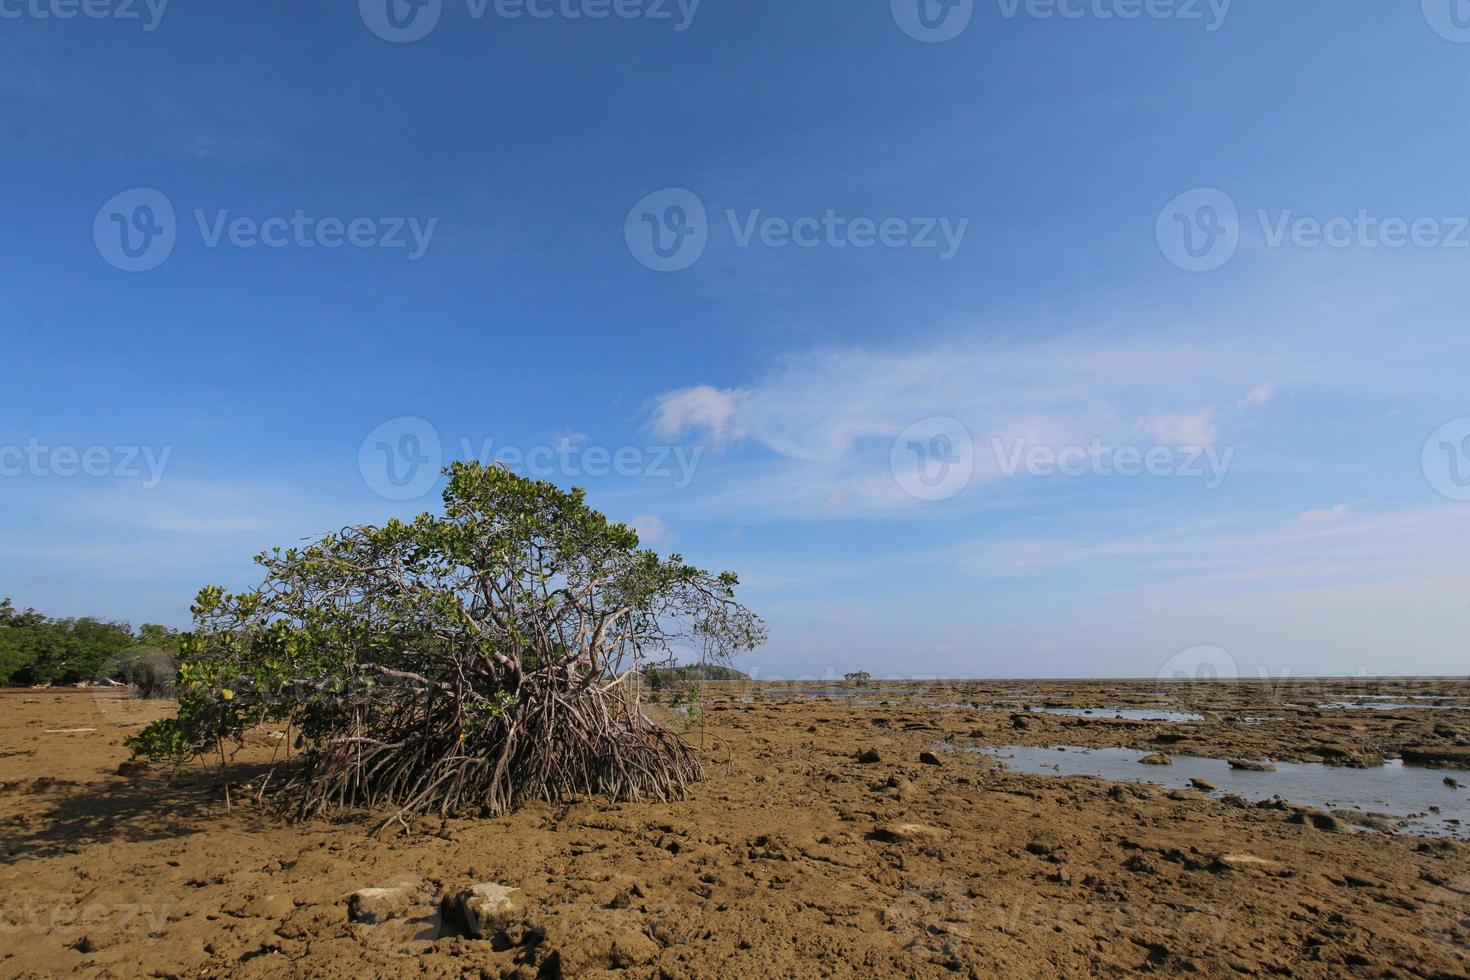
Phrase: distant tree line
{"type": "Point", "coordinates": [36, 649]}
{"type": "Point", "coordinates": [660, 677]}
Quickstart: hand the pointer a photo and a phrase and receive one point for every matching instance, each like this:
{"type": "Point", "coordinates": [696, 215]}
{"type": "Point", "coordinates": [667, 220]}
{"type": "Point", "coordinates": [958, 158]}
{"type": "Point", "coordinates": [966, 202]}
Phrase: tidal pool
{"type": "Point", "coordinates": [826, 692]}
{"type": "Point", "coordinates": [1382, 705]}
{"type": "Point", "coordinates": [1406, 793]}
{"type": "Point", "coordinates": [1131, 714]}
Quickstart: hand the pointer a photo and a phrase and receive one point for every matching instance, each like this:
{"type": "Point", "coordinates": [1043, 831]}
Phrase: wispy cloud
{"type": "Point", "coordinates": [815, 436]}
{"type": "Point", "coordinates": [1324, 515]}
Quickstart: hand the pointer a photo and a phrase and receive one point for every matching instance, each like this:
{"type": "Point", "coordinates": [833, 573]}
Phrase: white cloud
{"type": "Point", "coordinates": [1258, 397]}
{"type": "Point", "coordinates": [1195, 429]}
{"type": "Point", "coordinates": [1326, 516]}
{"type": "Point", "coordinates": [1242, 550]}
{"type": "Point", "coordinates": [653, 532]}
{"type": "Point", "coordinates": [819, 429]}
{"type": "Point", "coordinates": [702, 411]}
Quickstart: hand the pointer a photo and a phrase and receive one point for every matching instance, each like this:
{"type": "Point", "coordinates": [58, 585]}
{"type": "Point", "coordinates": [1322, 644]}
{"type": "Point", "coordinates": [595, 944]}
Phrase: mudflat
{"type": "Point", "coordinates": [886, 830]}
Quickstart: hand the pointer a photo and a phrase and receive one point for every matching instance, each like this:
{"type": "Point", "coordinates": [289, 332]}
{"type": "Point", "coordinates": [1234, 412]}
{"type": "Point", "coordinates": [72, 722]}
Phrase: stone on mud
{"type": "Point", "coordinates": [900, 833]}
{"type": "Point", "coordinates": [1249, 862]}
{"type": "Point", "coordinates": [1251, 765]}
{"type": "Point", "coordinates": [495, 912]}
{"type": "Point", "coordinates": [371, 906]}
{"type": "Point", "coordinates": [1306, 816]}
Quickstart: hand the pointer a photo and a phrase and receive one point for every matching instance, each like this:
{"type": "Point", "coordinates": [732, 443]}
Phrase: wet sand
{"type": "Point", "coordinates": [793, 858]}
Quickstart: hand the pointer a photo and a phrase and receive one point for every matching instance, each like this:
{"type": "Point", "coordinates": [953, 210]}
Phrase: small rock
{"type": "Point", "coordinates": [1346, 755]}
{"type": "Point", "coordinates": [1360, 881]}
{"type": "Point", "coordinates": [1322, 821]}
{"type": "Point", "coordinates": [1202, 785]}
{"type": "Point", "coordinates": [374, 905]}
{"type": "Point", "coordinates": [1251, 765]}
{"type": "Point", "coordinates": [494, 912]}
{"type": "Point", "coordinates": [1445, 755]}
{"type": "Point", "coordinates": [1451, 782]}
{"type": "Point", "coordinates": [870, 756]}
{"type": "Point", "coordinates": [899, 833]}
{"type": "Point", "coordinates": [1156, 759]}
{"type": "Point", "coordinates": [1142, 864]}
{"type": "Point", "coordinates": [1242, 862]}
{"type": "Point", "coordinates": [1380, 822]}
{"type": "Point", "coordinates": [930, 759]}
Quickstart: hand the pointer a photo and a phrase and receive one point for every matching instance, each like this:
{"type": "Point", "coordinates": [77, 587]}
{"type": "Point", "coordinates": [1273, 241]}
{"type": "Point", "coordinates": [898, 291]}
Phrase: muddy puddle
{"type": "Point", "coordinates": [1418, 799]}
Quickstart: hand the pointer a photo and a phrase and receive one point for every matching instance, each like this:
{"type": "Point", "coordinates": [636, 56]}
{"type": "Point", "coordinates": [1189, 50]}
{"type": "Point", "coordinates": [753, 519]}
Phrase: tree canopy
{"type": "Point", "coordinates": [35, 649]}
{"type": "Point", "coordinates": [476, 657]}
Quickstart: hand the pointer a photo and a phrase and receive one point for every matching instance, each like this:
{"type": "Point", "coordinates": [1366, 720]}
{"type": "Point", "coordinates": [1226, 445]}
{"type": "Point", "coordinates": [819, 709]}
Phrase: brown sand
{"type": "Point", "coordinates": [795, 859]}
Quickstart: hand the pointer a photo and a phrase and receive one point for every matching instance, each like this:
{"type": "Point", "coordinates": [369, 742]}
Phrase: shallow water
{"type": "Point", "coordinates": [826, 692]}
{"type": "Point", "coordinates": [1379, 705]}
{"type": "Point", "coordinates": [1131, 714]}
{"type": "Point", "coordinates": [1405, 792]}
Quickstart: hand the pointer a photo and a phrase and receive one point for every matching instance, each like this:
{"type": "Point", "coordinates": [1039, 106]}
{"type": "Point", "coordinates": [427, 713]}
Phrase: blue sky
{"type": "Point", "coordinates": [1230, 234]}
